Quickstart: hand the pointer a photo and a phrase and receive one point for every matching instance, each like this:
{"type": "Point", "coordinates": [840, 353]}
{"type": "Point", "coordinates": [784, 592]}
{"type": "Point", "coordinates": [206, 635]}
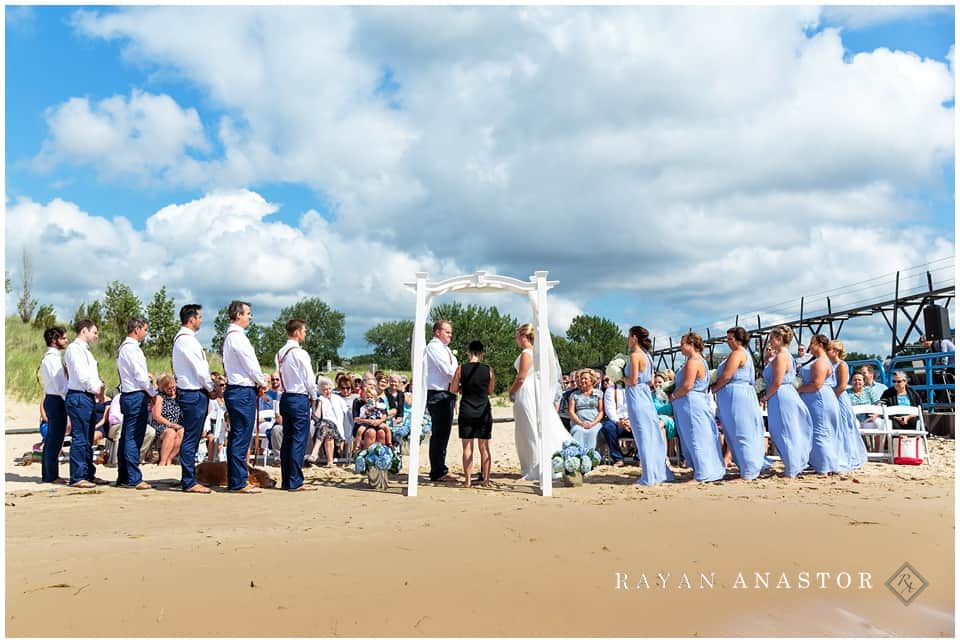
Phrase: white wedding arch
{"type": "Point", "coordinates": [536, 289]}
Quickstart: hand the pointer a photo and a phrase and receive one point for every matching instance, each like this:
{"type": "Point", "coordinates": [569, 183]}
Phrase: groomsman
{"type": "Point", "coordinates": [299, 390]}
{"type": "Point", "coordinates": [84, 390]}
{"type": "Point", "coordinates": [243, 380]}
{"type": "Point", "coordinates": [136, 395]}
{"type": "Point", "coordinates": [55, 390]}
{"type": "Point", "coordinates": [441, 365]}
{"type": "Point", "coordinates": [195, 389]}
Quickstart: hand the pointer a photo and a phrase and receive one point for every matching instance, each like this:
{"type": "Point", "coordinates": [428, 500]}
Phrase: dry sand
{"type": "Point", "coordinates": [343, 560]}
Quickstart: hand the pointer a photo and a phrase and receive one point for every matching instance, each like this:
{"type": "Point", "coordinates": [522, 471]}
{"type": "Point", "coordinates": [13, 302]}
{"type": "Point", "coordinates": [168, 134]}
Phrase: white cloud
{"type": "Point", "coordinates": [218, 248]}
{"type": "Point", "coordinates": [663, 151]}
{"type": "Point", "coordinates": [145, 137]}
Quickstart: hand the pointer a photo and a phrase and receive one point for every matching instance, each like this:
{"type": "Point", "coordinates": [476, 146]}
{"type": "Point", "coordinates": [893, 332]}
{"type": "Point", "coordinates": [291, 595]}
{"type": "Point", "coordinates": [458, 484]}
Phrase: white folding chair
{"type": "Point", "coordinates": [920, 432]}
{"type": "Point", "coordinates": [267, 419]}
{"type": "Point", "coordinates": [881, 449]}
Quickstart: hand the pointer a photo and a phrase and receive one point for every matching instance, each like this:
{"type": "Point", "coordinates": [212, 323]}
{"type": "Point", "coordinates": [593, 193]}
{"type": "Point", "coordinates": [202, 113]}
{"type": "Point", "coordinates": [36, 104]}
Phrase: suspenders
{"type": "Point", "coordinates": [280, 363]}
{"type": "Point", "coordinates": [223, 348]}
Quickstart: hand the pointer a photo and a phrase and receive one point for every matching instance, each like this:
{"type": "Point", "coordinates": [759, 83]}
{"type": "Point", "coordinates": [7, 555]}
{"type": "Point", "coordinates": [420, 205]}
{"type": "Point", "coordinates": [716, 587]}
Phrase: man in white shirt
{"type": "Point", "coordinates": [299, 390]}
{"type": "Point", "coordinates": [244, 377]}
{"type": "Point", "coordinates": [441, 365]}
{"type": "Point", "coordinates": [616, 423]}
{"type": "Point", "coordinates": [195, 389]}
{"type": "Point", "coordinates": [801, 358]}
{"type": "Point", "coordinates": [84, 390]}
{"type": "Point", "coordinates": [55, 391]}
{"type": "Point", "coordinates": [136, 396]}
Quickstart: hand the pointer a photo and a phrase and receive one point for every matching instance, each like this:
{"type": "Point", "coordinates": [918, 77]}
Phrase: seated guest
{"type": "Point", "coordinates": [901, 395]}
{"type": "Point", "coordinates": [661, 403]}
{"type": "Point", "coordinates": [586, 411]}
{"type": "Point", "coordinates": [616, 422]}
{"type": "Point", "coordinates": [394, 397]}
{"type": "Point", "coordinates": [868, 371]}
{"type": "Point", "coordinates": [271, 424]}
{"type": "Point", "coordinates": [562, 401]}
{"type": "Point", "coordinates": [102, 426]}
{"type": "Point", "coordinates": [383, 382]}
{"type": "Point", "coordinates": [346, 394]}
{"type": "Point", "coordinates": [328, 420]}
{"type": "Point", "coordinates": [372, 422]}
{"type": "Point", "coordinates": [167, 419]}
{"type": "Point", "coordinates": [215, 431]}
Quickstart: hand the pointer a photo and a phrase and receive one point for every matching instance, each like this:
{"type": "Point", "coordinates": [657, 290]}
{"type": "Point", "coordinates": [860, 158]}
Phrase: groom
{"type": "Point", "coordinates": [441, 365]}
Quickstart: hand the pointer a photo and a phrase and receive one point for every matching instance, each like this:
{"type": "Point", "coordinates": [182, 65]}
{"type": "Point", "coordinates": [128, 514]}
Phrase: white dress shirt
{"type": "Point", "coordinates": [441, 365]}
{"type": "Point", "coordinates": [614, 410]}
{"type": "Point", "coordinates": [296, 373]}
{"type": "Point", "coordinates": [239, 360]}
{"type": "Point", "coordinates": [190, 362]}
{"type": "Point", "coordinates": [81, 368]}
{"type": "Point", "coordinates": [132, 367]}
{"type": "Point", "coordinates": [51, 370]}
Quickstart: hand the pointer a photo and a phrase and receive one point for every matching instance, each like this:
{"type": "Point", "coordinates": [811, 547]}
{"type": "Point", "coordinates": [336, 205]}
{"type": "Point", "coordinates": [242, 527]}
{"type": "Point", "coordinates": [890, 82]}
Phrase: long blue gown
{"type": "Point", "coordinates": [742, 420]}
{"type": "Point", "coordinates": [791, 427]}
{"type": "Point", "coordinates": [825, 414]}
{"type": "Point", "coordinates": [698, 429]}
{"type": "Point", "coordinates": [645, 425]}
{"type": "Point", "coordinates": [853, 452]}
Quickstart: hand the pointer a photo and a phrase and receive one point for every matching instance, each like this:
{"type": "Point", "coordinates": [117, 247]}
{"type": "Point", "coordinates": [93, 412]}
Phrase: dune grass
{"type": "Point", "coordinates": [25, 348]}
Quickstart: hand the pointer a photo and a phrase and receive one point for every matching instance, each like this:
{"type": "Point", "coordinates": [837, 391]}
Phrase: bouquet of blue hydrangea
{"type": "Point", "coordinates": [379, 456]}
{"type": "Point", "coordinates": [573, 458]}
{"type": "Point", "coordinates": [402, 431]}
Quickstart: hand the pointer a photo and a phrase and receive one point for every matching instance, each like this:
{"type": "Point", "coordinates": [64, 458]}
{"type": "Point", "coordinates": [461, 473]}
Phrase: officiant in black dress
{"type": "Point", "coordinates": [475, 381]}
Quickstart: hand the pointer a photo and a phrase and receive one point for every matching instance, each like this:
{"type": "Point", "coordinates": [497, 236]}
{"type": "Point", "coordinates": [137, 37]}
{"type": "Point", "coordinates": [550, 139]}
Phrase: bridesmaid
{"type": "Point", "coordinates": [738, 408]}
{"type": "Point", "coordinates": [691, 410]}
{"type": "Point", "coordinates": [817, 393]}
{"type": "Point", "coordinates": [853, 451]}
{"type": "Point", "coordinates": [644, 422]}
{"type": "Point", "coordinates": [791, 427]}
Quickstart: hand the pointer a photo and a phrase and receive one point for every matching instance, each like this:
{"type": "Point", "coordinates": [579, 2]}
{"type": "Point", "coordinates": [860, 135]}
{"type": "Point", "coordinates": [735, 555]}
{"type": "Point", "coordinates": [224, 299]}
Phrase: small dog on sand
{"type": "Point", "coordinates": [213, 474]}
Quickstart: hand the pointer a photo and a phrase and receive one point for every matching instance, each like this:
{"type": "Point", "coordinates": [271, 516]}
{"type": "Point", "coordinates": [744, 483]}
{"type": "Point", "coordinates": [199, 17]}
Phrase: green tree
{"type": "Point", "coordinates": [220, 324]}
{"type": "Point", "coordinates": [26, 304]}
{"type": "Point", "coordinates": [593, 341]}
{"type": "Point", "coordinates": [391, 344]}
{"type": "Point", "coordinates": [9, 285]}
{"type": "Point", "coordinates": [120, 304]}
{"type": "Point", "coordinates": [325, 332]}
{"type": "Point", "coordinates": [163, 324]}
{"type": "Point", "coordinates": [46, 317]}
{"type": "Point", "coordinates": [487, 324]}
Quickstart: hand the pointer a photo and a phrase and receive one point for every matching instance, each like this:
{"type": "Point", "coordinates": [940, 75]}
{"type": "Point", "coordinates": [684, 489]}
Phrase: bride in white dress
{"type": "Point", "coordinates": [524, 393]}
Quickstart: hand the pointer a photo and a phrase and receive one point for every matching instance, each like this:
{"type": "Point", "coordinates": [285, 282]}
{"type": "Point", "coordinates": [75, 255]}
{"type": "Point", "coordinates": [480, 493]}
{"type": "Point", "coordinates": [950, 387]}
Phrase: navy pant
{"type": "Point", "coordinates": [613, 433]}
{"type": "Point", "coordinates": [241, 404]}
{"type": "Point", "coordinates": [135, 407]}
{"type": "Point", "coordinates": [194, 405]}
{"type": "Point", "coordinates": [82, 410]}
{"type": "Point", "coordinates": [295, 411]}
{"type": "Point", "coordinates": [56, 410]}
{"type": "Point", "coordinates": [440, 406]}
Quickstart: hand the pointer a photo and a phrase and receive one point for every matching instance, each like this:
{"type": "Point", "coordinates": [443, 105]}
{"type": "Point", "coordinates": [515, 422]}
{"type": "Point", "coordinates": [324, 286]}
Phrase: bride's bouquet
{"type": "Point", "coordinates": [573, 461]}
{"type": "Point", "coordinates": [614, 369]}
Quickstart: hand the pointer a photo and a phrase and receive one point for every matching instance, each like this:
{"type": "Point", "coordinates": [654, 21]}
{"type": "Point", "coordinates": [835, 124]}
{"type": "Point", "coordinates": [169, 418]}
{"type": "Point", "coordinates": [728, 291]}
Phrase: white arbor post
{"type": "Point", "coordinates": [535, 288]}
{"type": "Point", "coordinates": [419, 391]}
{"type": "Point", "coordinates": [544, 398]}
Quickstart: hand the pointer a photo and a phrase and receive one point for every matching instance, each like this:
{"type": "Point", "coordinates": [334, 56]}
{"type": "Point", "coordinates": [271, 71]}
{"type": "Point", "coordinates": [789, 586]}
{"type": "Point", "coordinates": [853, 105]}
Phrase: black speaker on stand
{"type": "Point", "coordinates": [936, 322]}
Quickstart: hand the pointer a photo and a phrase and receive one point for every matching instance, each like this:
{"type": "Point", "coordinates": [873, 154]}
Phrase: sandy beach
{"type": "Point", "coordinates": [343, 560]}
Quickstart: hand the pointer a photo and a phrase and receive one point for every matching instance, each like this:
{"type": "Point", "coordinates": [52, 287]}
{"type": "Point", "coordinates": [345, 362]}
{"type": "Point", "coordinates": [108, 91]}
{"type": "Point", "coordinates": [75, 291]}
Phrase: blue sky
{"type": "Point", "coordinates": [396, 138]}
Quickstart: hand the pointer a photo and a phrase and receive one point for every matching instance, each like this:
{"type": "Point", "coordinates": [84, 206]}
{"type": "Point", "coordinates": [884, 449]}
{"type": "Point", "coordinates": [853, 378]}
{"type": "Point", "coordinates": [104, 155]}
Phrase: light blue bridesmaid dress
{"type": "Point", "coordinates": [698, 429]}
{"type": "Point", "coordinates": [825, 414]}
{"type": "Point", "coordinates": [791, 427]}
{"type": "Point", "coordinates": [645, 425]}
{"type": "Point", "coordinates": [853, 452]}
{"type": "Point", "coordinates": [742, 420]}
